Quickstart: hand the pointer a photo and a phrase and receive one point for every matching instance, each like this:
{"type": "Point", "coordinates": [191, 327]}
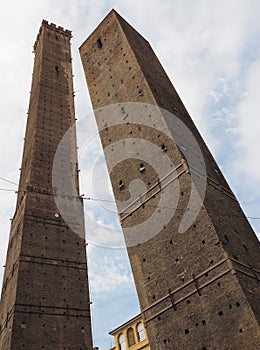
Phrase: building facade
{"type": "Point", "coordinates": [45, 298]}
{"type": "Point", "coordinates": [197, 271]}
{"type": "Point", "coordinates": [131, 335]}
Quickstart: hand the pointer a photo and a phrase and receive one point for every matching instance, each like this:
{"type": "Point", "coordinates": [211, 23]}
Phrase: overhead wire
{"type": "Point", "coordinates": [88, 198]}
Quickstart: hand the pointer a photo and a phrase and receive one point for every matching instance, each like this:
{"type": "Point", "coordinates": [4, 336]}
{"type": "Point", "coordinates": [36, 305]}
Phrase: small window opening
{"type": "Point", "coordinates": [240, 330]}
{"type": "Point", "coordinates": [140, 332]}
{"type": "Point", "coordinates": [99, 43]}
{"type": "Point", "coordinates": [220, 313]}
{"type": "Point", "coordinates": [226, 238]}
{"type": "Point", "coordinates": [122, 343]}
{"type": "Point", "coordinates": [164, 148]}
{"type": "Point", "coordinates": [238, 304]}
{"type": "Point", "coordinates": [245, 247]}
{"type": "Point", "coordinates": [140, 93]}
{"type": "Point", "coordinates": [203, 322]}
{"type": "Point", "coordinates": [141, 168]}
{"type": "Point", "coordinates": [57, 69]}
{"type": "Point", "coordinates": [57, 38]}
{"type": "Point", "coordinates": [130, 337]}
{"type": "Point", "coordinates": [187, 331]}
{"type": "Point", "coordinates": [121, 185]}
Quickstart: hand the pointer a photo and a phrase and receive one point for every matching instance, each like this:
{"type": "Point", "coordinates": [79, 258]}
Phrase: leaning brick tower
{"type": "Point", "coordinates": [198, 287]}
{"type": "Point", "coordinates": [45, 298]}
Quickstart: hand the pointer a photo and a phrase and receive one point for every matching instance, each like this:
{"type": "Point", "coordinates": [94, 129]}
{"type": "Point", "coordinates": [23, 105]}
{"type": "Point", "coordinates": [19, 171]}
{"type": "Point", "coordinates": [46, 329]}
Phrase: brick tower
{"type": "Point", "coordinates": [45, 299]}
{"type": "Point", "coordinates": [198, 286]}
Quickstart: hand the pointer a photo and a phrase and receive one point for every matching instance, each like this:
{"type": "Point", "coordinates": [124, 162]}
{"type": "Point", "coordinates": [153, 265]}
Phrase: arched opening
{"type": "Point", "coordinates": [130, 337]}
{"type": "Point", "coordinates": [140, 332]}
{"type": "Point", "coordinates": [121, 341]}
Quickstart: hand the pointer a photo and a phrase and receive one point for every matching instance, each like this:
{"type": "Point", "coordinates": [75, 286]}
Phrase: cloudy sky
{"type": "Point", "coordinates": [210, 50]}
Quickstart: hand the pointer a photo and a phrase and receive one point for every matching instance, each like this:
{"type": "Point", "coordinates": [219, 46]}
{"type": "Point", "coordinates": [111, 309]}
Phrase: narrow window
{"type": "Point", "coordinates": [226, 238]}
{"type": "Point", "coordinates": [141, 168]}
{"type": "Point", "coordinates": [99, 43]}
{"type": "Point", "coordinates": [140, 332]}
{"type": "Point", "coordinates": [164, 148]}
{"type": "Point", "coordinates": [121, 341]}
{"type": "Point", "coordinates": [121, 185]}
{"type": "Point", "coordinates": [130, 337]}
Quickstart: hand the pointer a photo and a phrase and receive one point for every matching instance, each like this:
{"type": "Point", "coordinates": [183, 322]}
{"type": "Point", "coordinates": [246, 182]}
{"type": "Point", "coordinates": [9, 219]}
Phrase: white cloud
{"type": "Point", "coordinates": [108, 276]}
{"type": "Point", "coordinates": [248, 127]}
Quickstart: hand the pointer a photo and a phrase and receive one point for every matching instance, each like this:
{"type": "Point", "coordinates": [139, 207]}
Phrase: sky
{"type": "Point", "coordinates": [209, 49]}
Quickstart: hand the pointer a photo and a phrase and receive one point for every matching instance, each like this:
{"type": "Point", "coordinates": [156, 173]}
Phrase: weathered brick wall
{"type": "Point", "coordinates": [199, 289]}
{"type": "Point", "coordinates": [45, 298]}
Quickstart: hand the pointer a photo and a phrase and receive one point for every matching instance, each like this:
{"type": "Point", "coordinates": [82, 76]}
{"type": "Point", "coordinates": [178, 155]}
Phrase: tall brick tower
{"type": "Point", "coordinates": [45, 297]}
{"type": "Point", "coordinates": [198, 286]}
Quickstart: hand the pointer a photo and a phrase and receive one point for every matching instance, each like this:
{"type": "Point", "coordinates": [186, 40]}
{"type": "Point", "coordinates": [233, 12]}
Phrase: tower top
{"type": "Point", "coordinates": [51, 27]}
{"type": "Point", "coordinates": [111, 16]}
